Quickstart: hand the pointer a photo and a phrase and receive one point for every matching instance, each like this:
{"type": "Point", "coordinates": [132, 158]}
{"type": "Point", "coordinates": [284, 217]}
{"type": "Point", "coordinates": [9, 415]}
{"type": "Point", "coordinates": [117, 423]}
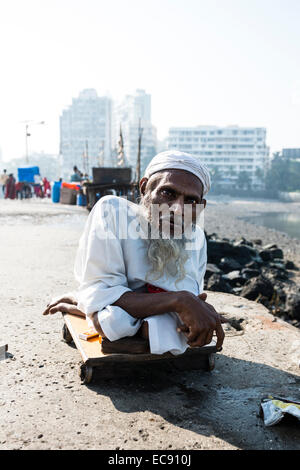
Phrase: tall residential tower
{"type": "Point", "coordinates": [85, 133]}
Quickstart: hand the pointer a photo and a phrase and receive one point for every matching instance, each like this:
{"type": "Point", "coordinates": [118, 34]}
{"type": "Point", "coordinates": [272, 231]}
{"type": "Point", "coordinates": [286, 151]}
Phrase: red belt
{"type": "Point", "coordinates": [153, 289]}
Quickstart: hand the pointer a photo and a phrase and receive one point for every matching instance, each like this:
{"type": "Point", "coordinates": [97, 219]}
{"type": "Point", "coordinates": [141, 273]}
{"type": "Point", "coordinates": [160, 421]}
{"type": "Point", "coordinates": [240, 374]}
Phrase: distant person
{"type": "Point", "coordinates": [77, 175]}
{"type": "Point", "coordinates": [3, 181]}
{"type": "Point", "coordinates": [47, 187]}
{"type": "Point", "coordinates": [10, 187]}
{"type": "Point", "coordinates": [38, 188]}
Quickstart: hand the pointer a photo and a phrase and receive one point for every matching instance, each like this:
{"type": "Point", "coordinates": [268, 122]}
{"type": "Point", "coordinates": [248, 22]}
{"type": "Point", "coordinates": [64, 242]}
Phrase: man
{"type": "Point", "coordinates": [3, 181]}
{"type": "Point", "coordinates": [148, 285]}
{"type": "Point", "coordinates": [77, 175]}
{"type": "Point", "coordinates": [10, 187]}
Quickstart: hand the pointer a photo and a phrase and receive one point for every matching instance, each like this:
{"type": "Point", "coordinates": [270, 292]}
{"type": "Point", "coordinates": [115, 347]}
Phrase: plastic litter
{"type": "Point", "coordinates": [275, 408]}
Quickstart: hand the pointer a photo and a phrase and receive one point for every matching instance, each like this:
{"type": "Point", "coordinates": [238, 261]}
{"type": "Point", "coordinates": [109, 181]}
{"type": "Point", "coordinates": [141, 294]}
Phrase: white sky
{"type": "Point", "coordinates": [210, 62]}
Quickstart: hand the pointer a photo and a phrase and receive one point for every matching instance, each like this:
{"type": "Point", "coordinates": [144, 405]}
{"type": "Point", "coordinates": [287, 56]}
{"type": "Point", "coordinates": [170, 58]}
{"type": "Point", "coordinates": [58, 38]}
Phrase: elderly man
{"type": "Point", "coordinates": [140, 275]}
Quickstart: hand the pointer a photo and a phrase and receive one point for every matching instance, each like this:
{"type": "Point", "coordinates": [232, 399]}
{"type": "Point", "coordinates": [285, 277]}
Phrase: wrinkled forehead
{"type": "Point", "coordinates": [182, 181]}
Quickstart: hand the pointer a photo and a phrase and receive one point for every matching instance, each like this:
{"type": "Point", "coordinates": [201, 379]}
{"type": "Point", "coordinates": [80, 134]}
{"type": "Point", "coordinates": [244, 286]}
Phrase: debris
{"type": "Point", "coordinates": [275, 408]}
{"type": "Point", "coordinates": [3, 350]}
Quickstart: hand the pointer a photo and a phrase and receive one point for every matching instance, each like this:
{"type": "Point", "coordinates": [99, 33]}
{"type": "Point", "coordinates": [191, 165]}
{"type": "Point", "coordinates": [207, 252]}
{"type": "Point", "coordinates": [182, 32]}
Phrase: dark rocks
{"type": "Point", "coordinates": [258, 287]}
{"type": "Point", "coordinates": [235, 278]}
{"type": "Point", "coordinates": [253, 265]}
{"type": "Point", "coordinates": [293, 305]}
{"type": "Point", "coordinates": [243, 254]}
{"type": "Point", "coordinates": [212, 269]}
{"type": "Point", "coordinates": [243, 241]}
{"type": "Point", "coordinates": [290, 265]}
{"type": "Point", "coordinates": [275, 273]}
{"type": "Point", "coordinates": [270, 246]}
{"type": "Point", "coordinates": [216, 250]}
{"type": "Point", "coordinates": [271, 253]}
{"type": "Point", "coordinates": [249, 273]}
{"type": "Point", "coordinates": [254, 271]}
{"type": "Point", "coordinates": [229, 264]}
{"type": "Point", "coordinates": [218, 284]}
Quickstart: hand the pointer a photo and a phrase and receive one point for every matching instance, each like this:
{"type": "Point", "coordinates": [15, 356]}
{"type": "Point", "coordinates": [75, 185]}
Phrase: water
{"type": "Point", "coordinates": [282, 221]}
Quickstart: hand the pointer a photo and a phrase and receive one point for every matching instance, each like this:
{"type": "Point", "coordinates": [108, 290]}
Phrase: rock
{"type": "Point", "coordinates": [229, 264]}
{"type": "Point", "coordinates": [292, 305]}
{"type": "Point", "coordinates": [218, 284]}
{"type": "Point", "coordinates": [253, 265]}
{"type": "Point", "coordinates": [250, 273]}
{"type": "Point", "coordinates": [235, 278]}
{"type": "Point", "coordinates": [243, 254]}
{"type": "Point", "coordinates": [216, 250]}
{"type": "Point", "coordinates": [270, 246]}
{"type": "Point", "coordinates": [270, 254]}
{"type": "Point", "coordinates": [274, 273]}
{"type": "Point", "coordinates": [237, 290]}
{"type": "Point", "coordinates": [243, 241]}
{"type": "Point", "coordinates": [257, 241]}
{"type": "Point", "coordinates": [277, 265]}
{"type": "Point", "coordinates": [258, 286]}
{"type": "Point", "coordinates": [290, 265]}
{"type": "Point", "coordinates": [212, 269]}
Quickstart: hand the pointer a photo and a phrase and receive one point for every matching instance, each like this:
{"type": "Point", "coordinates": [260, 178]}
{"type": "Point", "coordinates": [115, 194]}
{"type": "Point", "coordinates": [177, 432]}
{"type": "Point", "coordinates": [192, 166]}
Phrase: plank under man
{"type": "Point", "coordinates": [141, 267]}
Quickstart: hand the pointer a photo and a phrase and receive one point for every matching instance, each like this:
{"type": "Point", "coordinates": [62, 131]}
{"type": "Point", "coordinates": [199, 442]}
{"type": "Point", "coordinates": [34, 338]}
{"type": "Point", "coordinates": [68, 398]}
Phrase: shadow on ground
{"type": "Point", "coordinates": [224, 403]}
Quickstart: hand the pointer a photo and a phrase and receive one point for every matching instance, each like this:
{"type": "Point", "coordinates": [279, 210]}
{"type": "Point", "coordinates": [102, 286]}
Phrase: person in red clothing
{"type": "Point", "coordinates": [46, 187]}
{"type": "Point", "coordinates": [10, 188]}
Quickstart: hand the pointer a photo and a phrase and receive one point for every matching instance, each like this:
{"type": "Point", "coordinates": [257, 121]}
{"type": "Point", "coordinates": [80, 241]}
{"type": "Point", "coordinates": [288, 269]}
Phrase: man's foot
{"type": "Point", "coordinates": [128, 345]}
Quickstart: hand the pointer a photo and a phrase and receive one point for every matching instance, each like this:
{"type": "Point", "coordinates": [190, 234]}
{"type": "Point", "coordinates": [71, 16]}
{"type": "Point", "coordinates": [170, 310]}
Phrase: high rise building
{"type": "Point", "coordinates": [85, 133]}
{"type": "Point", "coordinates": [232, 150]}
{"type": "Point", "coordinates": [293, 153]}
{"type": "Point", "coordinates": [132, 112]}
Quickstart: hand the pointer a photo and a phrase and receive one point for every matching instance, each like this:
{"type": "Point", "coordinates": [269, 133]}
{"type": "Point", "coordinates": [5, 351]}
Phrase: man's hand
{"type": "Point", "coordinates": [64, 304]}
{"type": "Point", "coordinates": [200, 320]}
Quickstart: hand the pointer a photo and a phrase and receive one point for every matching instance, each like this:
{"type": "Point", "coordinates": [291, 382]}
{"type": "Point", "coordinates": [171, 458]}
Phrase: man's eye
{"type": "Point", "coordinates": [167, 192]}
{"type": "Point", "coordinates": [191, 201]}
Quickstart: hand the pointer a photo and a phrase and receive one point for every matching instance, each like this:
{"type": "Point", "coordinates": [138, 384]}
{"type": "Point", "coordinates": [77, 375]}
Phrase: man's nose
{"type": "Point", "coordinates": [177, 207]}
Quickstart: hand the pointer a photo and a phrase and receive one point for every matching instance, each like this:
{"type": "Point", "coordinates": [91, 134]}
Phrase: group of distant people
{"type": "Point", "coordinates": [7, 185]}
{"type": "Point", "coordinates": [10, 189]}
{"type": "Point", "coordinates": [41, 188]}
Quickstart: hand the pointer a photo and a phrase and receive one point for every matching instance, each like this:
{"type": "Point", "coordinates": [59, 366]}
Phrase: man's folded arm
{"type": "Point", "coordinates": [140, 305]}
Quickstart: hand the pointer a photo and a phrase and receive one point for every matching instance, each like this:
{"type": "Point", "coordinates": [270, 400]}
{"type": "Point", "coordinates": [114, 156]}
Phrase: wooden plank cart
{"type": "Point", "coordinates": [92, 356]}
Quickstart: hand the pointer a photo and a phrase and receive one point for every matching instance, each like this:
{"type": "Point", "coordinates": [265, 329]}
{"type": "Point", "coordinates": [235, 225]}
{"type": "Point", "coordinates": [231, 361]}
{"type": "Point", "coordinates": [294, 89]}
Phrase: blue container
{"type": "Point", "coordinates": [81, 200]}
{"type": "Point", "coordinates": [56, 191]}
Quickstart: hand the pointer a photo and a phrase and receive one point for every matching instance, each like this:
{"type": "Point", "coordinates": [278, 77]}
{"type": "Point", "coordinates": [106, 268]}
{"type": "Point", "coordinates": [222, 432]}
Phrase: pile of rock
{"type": "Point", "coordinates": [253, 271]}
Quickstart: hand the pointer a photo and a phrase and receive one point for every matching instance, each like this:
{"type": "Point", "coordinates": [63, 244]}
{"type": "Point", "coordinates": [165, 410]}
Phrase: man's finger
{"type": "Point", "coordinates": [223, 319]}
{"type": "Point", "coordinates": [209, 337]}
{"type": "Point", "coordinates": [61, 307]}
{"type": "Point", "coordinates": [63, 300]}
{"type": "Point", "coordinates": [203, 296]}
{"type": "Point", "coordinates": [199, 341]}
{"type": "Point", "coordinates": [183, 329]}
{"type": "Point", "coordinates": [220, 335]}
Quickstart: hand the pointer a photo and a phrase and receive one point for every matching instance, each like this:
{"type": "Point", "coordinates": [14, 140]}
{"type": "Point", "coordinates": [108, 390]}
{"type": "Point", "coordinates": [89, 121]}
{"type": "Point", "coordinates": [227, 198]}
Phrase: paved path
{"type": "Point", "coordinates": [42, 403]}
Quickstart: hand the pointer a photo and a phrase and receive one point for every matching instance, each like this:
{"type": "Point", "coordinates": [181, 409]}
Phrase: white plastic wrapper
{"type": "Point", "coordinates": [275, 408]}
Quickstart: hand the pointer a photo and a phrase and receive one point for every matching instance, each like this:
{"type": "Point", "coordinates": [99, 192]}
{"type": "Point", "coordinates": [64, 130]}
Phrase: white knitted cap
{"type": "Point", "coordinates": [173, 159]}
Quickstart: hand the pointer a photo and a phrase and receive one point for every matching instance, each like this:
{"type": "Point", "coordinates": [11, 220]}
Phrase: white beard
{"type": "Point", "coordinates": [165, 255]}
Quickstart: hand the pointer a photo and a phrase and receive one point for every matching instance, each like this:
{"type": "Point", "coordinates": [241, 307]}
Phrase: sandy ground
{"type": "Point", "coordinates": [44, 406]}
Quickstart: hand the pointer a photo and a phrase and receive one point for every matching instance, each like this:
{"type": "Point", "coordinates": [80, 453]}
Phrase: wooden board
{"type": "Point", "coordinates": [92, 354]}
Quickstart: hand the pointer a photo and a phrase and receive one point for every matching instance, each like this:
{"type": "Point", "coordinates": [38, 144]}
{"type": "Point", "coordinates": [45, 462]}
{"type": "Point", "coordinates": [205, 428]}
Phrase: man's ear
{"type": "Point", "coordinates": [204, 202]}
{"type": "Point", "coordinates": [143, 184]}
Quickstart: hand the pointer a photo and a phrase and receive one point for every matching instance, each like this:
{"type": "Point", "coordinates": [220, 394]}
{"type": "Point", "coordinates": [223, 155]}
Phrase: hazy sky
{"type": "Point", "coordinates": [217, 62]}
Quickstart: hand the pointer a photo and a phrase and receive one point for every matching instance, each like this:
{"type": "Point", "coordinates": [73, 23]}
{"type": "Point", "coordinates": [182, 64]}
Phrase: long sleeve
{"type": "Point", "coordinates": [99, 265]}
{"type": "Point", "coordinates": [202, 264]}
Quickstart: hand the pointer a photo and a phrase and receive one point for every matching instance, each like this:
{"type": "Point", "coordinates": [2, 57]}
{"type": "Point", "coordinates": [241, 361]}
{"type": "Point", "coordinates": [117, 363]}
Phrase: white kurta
{"type": "Point", "coordinates": [109, 263]}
